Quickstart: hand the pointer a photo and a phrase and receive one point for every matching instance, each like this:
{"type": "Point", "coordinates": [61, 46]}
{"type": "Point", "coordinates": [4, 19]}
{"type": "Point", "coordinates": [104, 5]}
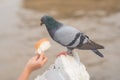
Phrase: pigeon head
{"type": "Point", "coordinates": [50, 22]}
{"type": "Point", "coordinates": [45, 19]}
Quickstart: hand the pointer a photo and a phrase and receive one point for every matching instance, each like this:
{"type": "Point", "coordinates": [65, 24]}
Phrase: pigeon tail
{"type": "Point", "coordinates": [90, 45]}
{"type": "Point", "coordinates": [98, 53]}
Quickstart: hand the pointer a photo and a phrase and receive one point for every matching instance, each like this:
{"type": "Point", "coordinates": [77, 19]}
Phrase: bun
{"type": "Point", "coordinates": [42, 45]}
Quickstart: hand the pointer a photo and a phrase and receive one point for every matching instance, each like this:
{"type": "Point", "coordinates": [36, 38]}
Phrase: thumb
{"type": "Point", "coordinates": [36, 57]}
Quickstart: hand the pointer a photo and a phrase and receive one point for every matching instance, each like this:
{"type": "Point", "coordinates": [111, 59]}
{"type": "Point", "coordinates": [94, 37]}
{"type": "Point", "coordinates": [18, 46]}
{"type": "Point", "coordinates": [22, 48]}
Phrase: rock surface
{"type": "Point", "coordinates": [66, 68]}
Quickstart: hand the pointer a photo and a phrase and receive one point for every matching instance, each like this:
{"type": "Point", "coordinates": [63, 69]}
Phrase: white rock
{"type": "Point", "coordinates": [66, 68]}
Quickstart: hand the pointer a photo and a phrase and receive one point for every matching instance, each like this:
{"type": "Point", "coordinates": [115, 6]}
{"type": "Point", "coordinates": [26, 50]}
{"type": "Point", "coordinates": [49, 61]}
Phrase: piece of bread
{"type": "Point", "coordinates": [42, 45]}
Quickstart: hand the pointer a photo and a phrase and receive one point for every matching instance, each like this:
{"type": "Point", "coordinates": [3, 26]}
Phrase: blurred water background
{"type": "Point", "coordinates": [20, 30]}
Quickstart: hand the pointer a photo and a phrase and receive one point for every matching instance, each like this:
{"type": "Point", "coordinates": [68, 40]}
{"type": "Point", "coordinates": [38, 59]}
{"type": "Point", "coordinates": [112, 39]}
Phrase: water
{"type": "Point", "coordinates": [11, 44]}
{"type": "Point", "coordinates": [8, 15]}
{"type": "Point", "coordinates": [20, 29]}
{"type": "Point", "coordinates": [8, 22]}
{"type": "Point", "coordinates": [16, 38]}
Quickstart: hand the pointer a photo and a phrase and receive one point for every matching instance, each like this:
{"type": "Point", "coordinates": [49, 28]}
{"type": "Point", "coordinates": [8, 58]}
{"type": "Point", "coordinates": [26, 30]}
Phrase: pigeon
{"type": "Point", "coordinates": [69, 37]}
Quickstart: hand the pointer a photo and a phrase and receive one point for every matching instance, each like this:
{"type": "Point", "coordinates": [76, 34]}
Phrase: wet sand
{"type": "Point", "coordinates": [20, 30]}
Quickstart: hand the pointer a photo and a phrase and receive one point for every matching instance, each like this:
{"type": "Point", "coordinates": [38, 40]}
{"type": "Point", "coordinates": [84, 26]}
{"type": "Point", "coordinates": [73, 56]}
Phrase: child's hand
{"type": "Point", "coordinates": [36, 62]}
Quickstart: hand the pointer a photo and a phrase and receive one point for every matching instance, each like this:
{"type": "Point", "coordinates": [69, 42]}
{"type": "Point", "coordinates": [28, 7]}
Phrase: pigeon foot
{"type": "Point", "coordinates": [62, 53]}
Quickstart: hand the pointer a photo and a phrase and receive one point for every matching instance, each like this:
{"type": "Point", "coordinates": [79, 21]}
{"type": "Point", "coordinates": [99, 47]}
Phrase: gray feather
{"type": "Point", "coordinates": [90, 45]}
{"type": "Point", "coordinates": [65, 35]}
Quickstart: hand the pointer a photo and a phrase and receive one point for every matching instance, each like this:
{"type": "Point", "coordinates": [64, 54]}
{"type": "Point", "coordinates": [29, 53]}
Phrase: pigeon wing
{"type": "Point", "coordinates": [66, 35]}
{"type": "Point", "coordinates": [90, 45]}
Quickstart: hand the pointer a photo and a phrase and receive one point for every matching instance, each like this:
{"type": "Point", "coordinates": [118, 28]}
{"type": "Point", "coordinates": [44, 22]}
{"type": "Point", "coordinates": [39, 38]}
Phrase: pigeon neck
{"type": "Point", "coordinates": [53, 27]}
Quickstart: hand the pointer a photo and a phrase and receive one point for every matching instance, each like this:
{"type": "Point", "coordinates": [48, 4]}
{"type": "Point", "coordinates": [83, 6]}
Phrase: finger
{"type": "Point", "coordinates": [34, 57]}
{"type": "Point", "coordinates": [41, 56]}
{"type": "Point", "coordinates": [44, 60]}
{"type": "Point", "coordinates": [37, 56]}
